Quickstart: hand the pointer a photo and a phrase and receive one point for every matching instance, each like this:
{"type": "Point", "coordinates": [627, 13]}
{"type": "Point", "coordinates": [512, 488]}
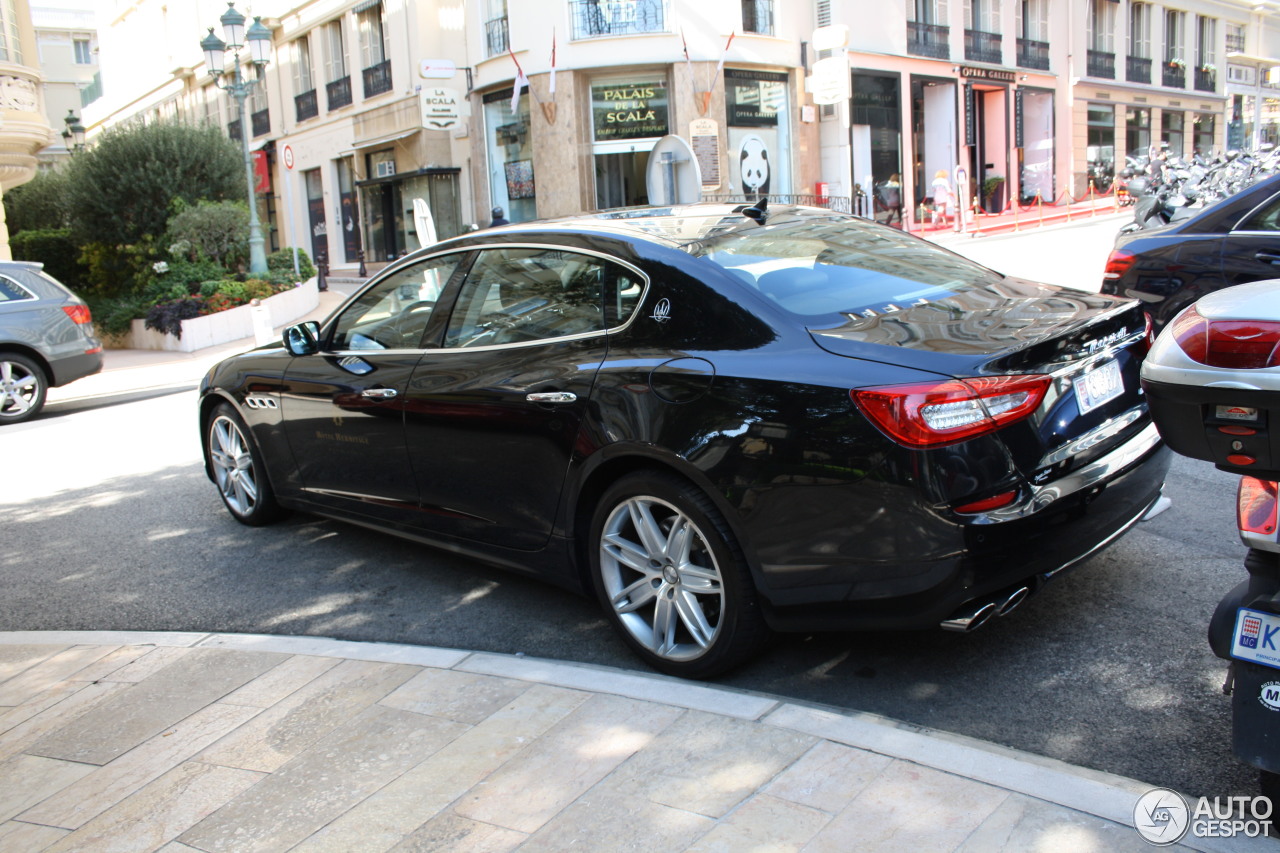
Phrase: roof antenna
{"type": "Point", "coordinates": [758, 211]}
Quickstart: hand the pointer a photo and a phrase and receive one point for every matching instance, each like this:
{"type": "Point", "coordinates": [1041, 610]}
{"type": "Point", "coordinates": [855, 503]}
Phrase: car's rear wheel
{"type": "Point", "coordinates": [238, 470]}
{"type": "Point", "coordinates": [672, 578]}
{"type": "Point", "coordinates": [23, 387]}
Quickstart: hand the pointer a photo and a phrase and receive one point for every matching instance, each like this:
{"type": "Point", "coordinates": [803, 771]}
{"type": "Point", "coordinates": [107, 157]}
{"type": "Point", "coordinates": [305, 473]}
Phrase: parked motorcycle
{"type": "Point", "coordinates": [1212, 380]}
{"type": "Point", "coordinates": [1168, 189]}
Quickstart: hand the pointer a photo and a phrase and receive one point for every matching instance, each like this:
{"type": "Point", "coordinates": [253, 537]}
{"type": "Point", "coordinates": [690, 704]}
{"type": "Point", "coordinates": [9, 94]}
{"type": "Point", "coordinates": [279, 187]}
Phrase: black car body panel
{"type": "Point", "coordinates": [718, 382]}
{"type": "Point", "coordinates": [1235, 241]}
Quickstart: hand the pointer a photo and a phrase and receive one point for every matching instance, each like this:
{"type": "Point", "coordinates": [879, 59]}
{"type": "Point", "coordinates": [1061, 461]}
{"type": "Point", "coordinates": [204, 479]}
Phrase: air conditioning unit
{"type": "Point", "coordinates": [385, 169]}
{"type": "Point", "coordinates": [1240, 74]}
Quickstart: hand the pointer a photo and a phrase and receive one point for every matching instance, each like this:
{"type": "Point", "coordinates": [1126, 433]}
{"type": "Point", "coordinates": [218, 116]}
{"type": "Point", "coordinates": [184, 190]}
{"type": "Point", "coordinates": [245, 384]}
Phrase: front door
{"type": "Point", "coordinates": [343, 407]}
{"type": "Point", "coordinates": [507, 392]}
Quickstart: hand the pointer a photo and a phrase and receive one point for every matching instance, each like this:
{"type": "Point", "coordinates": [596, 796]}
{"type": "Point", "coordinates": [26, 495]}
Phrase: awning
{"type": "Point", "coordinates": [378, 140]}
{"type": "Point", "coordinates": [366, 6]}
{"type": "Point", "coordinates": [401, 176]}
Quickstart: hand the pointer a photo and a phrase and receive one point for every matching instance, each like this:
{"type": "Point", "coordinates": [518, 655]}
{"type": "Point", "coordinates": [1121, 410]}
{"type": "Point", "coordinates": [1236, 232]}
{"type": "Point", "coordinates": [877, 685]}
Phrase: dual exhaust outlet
{"type": "Point", "coordinates": [974, 616]}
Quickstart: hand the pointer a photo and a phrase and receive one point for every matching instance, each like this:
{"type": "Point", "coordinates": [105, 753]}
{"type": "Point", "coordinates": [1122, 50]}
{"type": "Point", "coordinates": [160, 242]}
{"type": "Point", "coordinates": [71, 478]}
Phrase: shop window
{"type": "Point", "coordinates": [629, 115]}
{"type": "Point", "coordinates": [758, 118]}
{"type": "Point", "coordinates": [510, 148]}
{"type": "Point", "coordinates": [1101, 146]}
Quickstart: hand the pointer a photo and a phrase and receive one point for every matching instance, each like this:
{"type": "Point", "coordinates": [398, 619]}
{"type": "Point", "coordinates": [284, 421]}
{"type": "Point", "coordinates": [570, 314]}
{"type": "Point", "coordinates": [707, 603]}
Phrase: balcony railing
{"type": "Point", "coordinates": [377, 79]}
{"type": "Point", "coordinates": [495, 36]}
{"type": "Point", "coordinates": [1137, 69]}
{"type": "Point", "coordinates": [233, 130]}
{"type": "Point", "coordinates": [983, 47]}
{"type": "Point", "coordinates": [595, 18]}
{"type": "Point", "coordinates": [306, 105]}
{"type": "Point", "coordinates": [1102, 64]}
{"type": "Point", "coordinates": [1033, 54]}
{"type": "Point", "coordinates": [338, 92]}
{"type": "Point", "coordinates": [1206, 80]}
{"type": "Point", "coordinates": [757, 17]}
{"type": "Point", "coordinates": [1173, 76]}
{"type": "Point", "coordinates": [260, 123]}
{"type": "Point", "coordinates": [930, 40]}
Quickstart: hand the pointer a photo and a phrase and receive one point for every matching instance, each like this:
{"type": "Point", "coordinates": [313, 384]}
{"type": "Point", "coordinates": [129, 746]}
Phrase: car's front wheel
{"type": "Point", "coordinates": [22, 388]}
{"type": "Point", "coordinates": [238, 471]}
{"type": "Point", "coordinates": [672, 578]}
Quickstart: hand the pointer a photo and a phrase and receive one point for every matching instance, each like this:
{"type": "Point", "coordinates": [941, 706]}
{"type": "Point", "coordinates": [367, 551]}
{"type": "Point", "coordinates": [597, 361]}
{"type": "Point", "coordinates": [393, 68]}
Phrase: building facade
{"type": "Point", "coordinates": [552, 107]}
{"type": "Point", "coordinates": [23, 127]}
{"type": "Point", "coordinates": [67, 52]}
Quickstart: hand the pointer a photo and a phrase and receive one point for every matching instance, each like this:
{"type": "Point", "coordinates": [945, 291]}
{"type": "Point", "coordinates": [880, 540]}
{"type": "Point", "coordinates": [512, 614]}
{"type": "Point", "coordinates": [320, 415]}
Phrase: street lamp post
{"type": "Point", "coordinates": [73, 136]}
{"type": "Point", "coordinates": [239, 86]}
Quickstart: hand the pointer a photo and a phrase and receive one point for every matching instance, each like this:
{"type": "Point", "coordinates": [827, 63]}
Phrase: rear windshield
{"type": "Point", "coordinates": [841, 265]}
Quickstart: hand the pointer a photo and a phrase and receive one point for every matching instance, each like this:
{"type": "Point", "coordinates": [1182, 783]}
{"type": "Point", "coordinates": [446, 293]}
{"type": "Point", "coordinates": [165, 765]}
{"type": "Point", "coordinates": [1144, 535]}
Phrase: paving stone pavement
{"type": "Point", "coordinates": [115, 741]}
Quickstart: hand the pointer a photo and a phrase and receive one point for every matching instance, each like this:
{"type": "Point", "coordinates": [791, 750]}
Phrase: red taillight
{"type": "Point", "coordinates": [1118, 264]}
{"type": "Point", "coordinates": [930, 414]}
{"type": "Point", "coordinates": [1233, 344]}
{"type": "Point", "coordinates": [79, 314]}
{"type": "Point", "coordinates": [1256, 506]}
{"type": "Point", "coordinates": [988, 504]}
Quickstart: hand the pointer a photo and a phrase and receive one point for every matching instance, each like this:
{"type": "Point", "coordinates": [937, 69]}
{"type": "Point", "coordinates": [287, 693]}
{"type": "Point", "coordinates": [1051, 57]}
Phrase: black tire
{"type": "Point", "coordinates": [238, 470]}
{"type": "Point", "coordinates": [1269, 785]}
{"type": "Point", "coordinates": [678, 591]}
{"type": "Point", "coordinates": [23, 387]}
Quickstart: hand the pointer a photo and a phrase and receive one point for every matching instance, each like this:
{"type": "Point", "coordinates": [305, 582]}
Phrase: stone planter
{"type": "Point", "coordinates": [227, 326]}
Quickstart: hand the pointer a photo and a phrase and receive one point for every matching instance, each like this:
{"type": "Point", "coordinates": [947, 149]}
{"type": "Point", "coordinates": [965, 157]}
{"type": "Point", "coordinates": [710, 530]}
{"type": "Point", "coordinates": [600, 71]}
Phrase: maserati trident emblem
{"type": "Point", "coordinates": [661, 311]}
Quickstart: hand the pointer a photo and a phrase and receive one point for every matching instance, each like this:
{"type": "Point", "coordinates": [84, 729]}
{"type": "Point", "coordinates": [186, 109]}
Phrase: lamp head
{"type": "Point", "coordinates": [213, 48]}
{"type": "Point", "coordinates": [233, 27]}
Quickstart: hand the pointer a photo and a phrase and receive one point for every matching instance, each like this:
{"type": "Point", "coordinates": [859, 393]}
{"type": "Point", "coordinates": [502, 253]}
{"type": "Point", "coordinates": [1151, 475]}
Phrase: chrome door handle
{"type": "Point", "coordinates": [379, 393]}
{"type": "Point", "coordinates": [1269, 257]}
{"type": "Point", "coordinates": [552, 397]}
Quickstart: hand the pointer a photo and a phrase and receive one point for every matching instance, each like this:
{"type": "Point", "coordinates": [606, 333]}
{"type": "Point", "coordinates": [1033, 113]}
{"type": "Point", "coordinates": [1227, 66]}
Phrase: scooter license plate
{"type": "Point", "coordinates": [1257, 637]}
{"type": "Point", "coordinates": [1100, 385]}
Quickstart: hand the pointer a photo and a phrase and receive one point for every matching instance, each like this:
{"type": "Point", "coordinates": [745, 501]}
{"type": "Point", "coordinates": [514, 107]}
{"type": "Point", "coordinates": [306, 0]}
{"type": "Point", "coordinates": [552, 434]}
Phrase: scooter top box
{"type": "Point", "coordinates": [1212, 380]}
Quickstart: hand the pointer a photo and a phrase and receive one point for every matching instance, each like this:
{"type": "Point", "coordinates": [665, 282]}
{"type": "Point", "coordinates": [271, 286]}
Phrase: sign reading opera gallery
{"type": "Point", "coordinates": [629, 110]}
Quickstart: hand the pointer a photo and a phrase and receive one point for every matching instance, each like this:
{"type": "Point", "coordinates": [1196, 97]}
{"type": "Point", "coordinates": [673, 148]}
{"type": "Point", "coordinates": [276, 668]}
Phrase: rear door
{"type": "Point", "coordinates": [493, 414]}
{"type": "Point", "coordinates": [1251, 252]}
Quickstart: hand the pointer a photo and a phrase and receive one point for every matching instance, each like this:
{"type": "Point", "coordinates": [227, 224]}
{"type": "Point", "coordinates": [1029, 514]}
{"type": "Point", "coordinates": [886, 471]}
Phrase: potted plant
{"type": "Point", "coordinates": [993, 193]}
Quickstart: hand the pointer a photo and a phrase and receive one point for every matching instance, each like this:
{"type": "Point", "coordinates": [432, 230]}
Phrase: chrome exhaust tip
{"type": "Point", "coordinates": [971, 621]}
{"type": "Point", "coordinates": [1019, 595]}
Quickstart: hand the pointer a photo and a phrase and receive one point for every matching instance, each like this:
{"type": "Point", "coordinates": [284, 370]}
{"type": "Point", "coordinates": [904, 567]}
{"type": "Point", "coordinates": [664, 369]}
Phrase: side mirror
{"type": "Point", "coordinates": [303, 339]}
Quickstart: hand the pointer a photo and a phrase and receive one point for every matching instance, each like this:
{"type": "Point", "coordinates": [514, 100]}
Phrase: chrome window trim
{"type": "Point", "coordinates": [644, 293]}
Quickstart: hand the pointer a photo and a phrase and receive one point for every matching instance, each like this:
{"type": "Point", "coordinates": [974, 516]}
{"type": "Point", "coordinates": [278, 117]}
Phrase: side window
{"type": "Point", "coordinates": [394, 313]}
{"type": "Point", "coordinates": [1265, 219]}
{"type": "Point", "coordinates": [11, 291]}
{"type": "Point", "coordinates": [520, 295]}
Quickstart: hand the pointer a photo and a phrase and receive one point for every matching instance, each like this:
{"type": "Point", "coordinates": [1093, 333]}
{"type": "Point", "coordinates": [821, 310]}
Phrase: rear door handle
{"type": "Point", "coordinates": [1268, 257]}
{"type": "Point", "coordinates": [552, 397]}
{"type": "Point", "coordinates": [379, 393]}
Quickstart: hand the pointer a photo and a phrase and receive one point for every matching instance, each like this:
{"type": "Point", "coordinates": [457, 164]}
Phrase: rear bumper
{"type": "Point", "coordinates": [71, 368]}
{"type": "Point", "coordinates": [983, 557]}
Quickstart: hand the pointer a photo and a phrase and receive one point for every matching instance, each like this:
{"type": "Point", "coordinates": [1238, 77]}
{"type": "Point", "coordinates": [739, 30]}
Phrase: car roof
{"type": "Point", "coordinates": [676, 226]}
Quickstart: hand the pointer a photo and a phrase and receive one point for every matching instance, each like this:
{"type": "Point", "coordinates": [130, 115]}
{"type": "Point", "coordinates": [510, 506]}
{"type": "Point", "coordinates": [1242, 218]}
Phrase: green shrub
{"type": "Point", "coordinates": [282, 261]}
{"type": "Point", "coordinates": [217, 230]}
{"type": "Point", "coordinates": [55, 250]}
{"type": "Point", "coordinates": [191, 274]}
{"type": "Point", "coordinates": [117, 270]}
{"type": "Point", "coordinates": [256, 288]}
{"type": "Point", "coordinates": [115, 315]}
{"type": "Point", "coordinates": [234, 289]}
{"type": "Point", "coordinates": [41, 204]}
{"type": "Point", "coordinates": [162, 290]}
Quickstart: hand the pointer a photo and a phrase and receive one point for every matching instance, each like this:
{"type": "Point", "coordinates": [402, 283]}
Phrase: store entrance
{"type": "Point", "coordinates": [620, 179]}
{"type": "Point", "coordinates": [988, 156]}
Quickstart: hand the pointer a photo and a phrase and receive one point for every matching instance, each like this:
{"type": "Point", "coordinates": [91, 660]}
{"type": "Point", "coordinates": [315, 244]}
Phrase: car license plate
{"type": "Point", "coordinates": [1100, 385]}
{"type": "Point", "coordinates": [1257, 637]}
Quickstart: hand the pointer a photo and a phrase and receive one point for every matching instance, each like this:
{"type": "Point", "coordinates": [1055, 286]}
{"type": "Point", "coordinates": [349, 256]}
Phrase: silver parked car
{"type": "Point", "coordinates": [46, 339]}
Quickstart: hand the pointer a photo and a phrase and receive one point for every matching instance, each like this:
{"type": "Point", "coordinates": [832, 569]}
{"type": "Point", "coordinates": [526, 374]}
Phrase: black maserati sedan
{"type": "Point", "coordinates": [719, 420]}
{"type": "Point", "coordinates": [1234, 241]}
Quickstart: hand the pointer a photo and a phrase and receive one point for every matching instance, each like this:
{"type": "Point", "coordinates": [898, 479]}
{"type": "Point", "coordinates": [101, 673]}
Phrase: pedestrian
{"type": "Point", "coordinates": [498, 218]}
{"type": "Point", "coordinates": [944, 199]}
{"type": "Point", "coordinates": [889, 199]}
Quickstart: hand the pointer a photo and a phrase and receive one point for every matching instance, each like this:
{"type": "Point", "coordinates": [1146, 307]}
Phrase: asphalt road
{"type": "Point", "coordinates": [109, 523]}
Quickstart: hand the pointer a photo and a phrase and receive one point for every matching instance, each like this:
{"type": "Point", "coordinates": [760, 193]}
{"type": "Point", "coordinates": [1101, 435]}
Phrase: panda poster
{"type": "Point", "coordinates": [753, 165]}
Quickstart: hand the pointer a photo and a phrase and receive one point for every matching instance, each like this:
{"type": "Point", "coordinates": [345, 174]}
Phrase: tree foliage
{"type": "Point", "coordinates": [123, 189]}
{"type": "Point", "coordinates": [217, 230]}
{"type": "Point", "coordinates": [41, 204]}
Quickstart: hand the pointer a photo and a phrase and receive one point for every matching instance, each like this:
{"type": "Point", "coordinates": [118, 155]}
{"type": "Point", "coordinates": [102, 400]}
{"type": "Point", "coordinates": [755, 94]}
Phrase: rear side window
{"type": "Point", "coordinates": [842, 266]}
{"type": "Point", "coordinates": [11, 291]}
{"type": "Point", "coordinates": [520, 295]}
{"type": "Point", "coordinates": [1266, 218]}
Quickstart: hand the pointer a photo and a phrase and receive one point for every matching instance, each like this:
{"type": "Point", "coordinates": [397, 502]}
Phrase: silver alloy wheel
{"type": "Point", "coordinates": [232, 465]}
{"type": "Point", "coordinates": [661, 578]}
{"type": "Point", "coordinates": [19, 389]}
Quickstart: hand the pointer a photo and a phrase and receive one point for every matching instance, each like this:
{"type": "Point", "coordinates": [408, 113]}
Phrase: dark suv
{"type": "Point", "coordinates": [46, 339]}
